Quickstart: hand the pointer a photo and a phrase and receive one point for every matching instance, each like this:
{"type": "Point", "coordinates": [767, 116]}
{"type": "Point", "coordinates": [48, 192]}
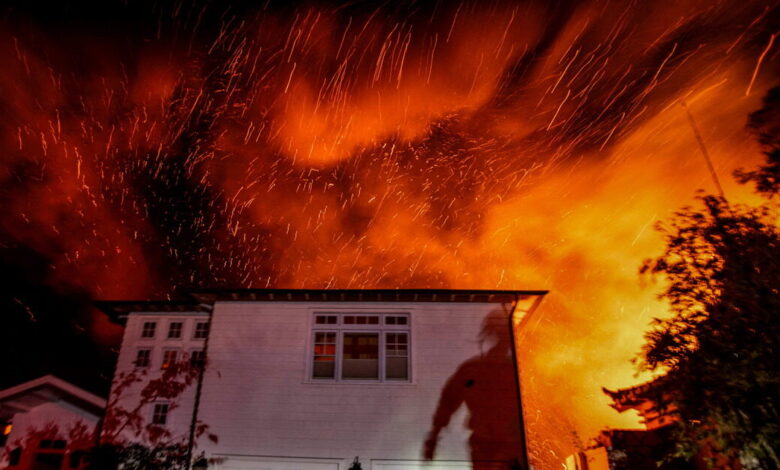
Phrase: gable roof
{"type": "Point", "coordinates": [27, 395]}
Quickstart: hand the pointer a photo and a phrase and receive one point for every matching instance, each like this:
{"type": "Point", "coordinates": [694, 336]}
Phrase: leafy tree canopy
{"type": "Point", "coordinates": [720, 345]}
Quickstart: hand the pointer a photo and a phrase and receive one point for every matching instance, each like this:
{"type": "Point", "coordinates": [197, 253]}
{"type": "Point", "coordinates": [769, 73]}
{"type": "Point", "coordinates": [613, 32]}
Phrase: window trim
{"type": "Point", "coordinates": [168, 336]}
{"type": "Point", "coordinates": [195, 329]}
{"type": "Point", "coordinates": [178, 352]}
{"type": "Point", "coordinates": [340, 328]}
{"type": "Point", "coordinates": [152, 413]}
{"type": "Point", "coordinates": [190, 353]}
{"type": "Point", "coordinates": [144, 321]}
{"type": "Point", "coordinates": [148, 364]}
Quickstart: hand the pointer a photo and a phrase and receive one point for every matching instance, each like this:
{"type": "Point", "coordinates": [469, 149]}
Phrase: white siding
{"type": "Point", "coordinates": [179, 419]}
{"type": "Point", "coordinates": [259, 401]}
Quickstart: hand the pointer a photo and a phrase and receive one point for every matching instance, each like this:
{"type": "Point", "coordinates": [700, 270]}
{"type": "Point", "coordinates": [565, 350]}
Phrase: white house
{"type": "Point", "coordinates": [48, 423]}
{"type": "Point", "coordinates": [327, 379]}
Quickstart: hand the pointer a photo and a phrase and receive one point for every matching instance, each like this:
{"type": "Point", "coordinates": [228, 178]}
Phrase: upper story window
{"type": "Point", "coordinates": [201, 330]}
{"type": "Point", "coordinates": [360, 346]}
{"type": "Point", "coordinates": [148, 329]}
{"type": "Point", "coordinates": [160, 414]}
{"type": "Point", "coordinates": [174, 329]}
{"type": "Point", "coordinates": [197, 358]}
{"type": "Point", "coordinates": [143, 357]}
{"type": "Point", "coordinates": [169, 358]}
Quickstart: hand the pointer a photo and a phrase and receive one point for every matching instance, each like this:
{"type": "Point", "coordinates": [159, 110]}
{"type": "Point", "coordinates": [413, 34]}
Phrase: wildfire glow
{"type": "Point", "coordinates": [474, 146]}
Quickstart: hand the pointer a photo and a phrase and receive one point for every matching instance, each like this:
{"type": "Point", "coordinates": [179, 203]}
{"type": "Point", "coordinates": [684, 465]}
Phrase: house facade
{"type": "Point", "coordinates": [329, 379]}
{"type": "Point", "coordinates": [47, 424]}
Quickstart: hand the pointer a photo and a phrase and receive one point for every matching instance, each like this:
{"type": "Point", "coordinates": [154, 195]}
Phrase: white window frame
{"type": "Point", "coordinates": [181, 330]}
{"type": "Point", "coordinates": [149, 359]}
{"type": "Point", "coordinates": [167, 413]}
{"type": "Point", "coordinates": [144, 321]}
{"type": "Point", "coordinates": [340, 328]}
{"type": "Point", "coordinates": [192, 351]}
{"type": "Point", "coordinates": [195, 329]}
{"type": "Point", "coordinates": [166, 350]}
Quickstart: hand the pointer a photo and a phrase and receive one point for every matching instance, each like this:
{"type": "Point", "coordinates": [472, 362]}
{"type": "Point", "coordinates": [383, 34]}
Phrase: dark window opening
{"type": "Point", "coordinates": [148, 329]}
{"type": "Point", "coordinates": [14, 457]}
{"type": "Point", "coordinates": [160, 415]}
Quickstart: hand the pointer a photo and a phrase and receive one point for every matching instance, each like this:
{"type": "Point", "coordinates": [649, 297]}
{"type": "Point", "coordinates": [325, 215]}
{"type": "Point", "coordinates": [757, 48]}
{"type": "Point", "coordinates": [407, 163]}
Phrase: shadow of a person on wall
{"type": "Point", "coordinates": [487, 385]}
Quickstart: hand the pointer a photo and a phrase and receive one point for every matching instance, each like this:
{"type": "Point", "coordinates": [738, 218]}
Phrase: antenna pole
{"type": "Point", "coordinates": [703, 150]}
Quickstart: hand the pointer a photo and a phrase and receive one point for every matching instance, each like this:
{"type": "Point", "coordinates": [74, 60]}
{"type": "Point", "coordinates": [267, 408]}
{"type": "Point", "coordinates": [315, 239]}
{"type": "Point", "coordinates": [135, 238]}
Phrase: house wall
{"type": "Point", "coordinates": [259, 400]}
{"type": "Point", "coordinates": [179, 418]}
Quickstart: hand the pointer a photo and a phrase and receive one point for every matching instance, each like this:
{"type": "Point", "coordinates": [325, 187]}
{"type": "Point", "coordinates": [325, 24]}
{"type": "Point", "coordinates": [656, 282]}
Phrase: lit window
{"type": "Point", "coordinates": [360, 346]}
{"type": "Point", "coordinates": [143, 357]}
{"type": "Point", "coordinates": [174, 329]}
{"type": "Point", "coordinates": [148, 329]}
{"type": "Point", "coordinates": [169, 358]}
{"type": "Point", "coordinates": [160, 414]}
{"type": "Point", "coordinates": [201, 330]}
{"type": "Point", "coordinates": [324, 355]}
{"type": "Point", "coordinates": [197, 358]}
{"type": "Point", "coordinates": [7, 429]}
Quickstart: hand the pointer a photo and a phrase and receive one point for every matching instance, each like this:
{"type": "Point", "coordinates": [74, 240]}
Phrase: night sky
{"type": "Point", "coordinates": [150, 147]}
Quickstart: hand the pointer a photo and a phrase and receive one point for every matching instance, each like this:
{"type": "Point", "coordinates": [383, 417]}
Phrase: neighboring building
{"type": "Point", "coordinates": [48, 424]}
{"type": "Point", "coordinates": [639, 449]}
{"type": "Point", "coordinates": [313, 379]}
{"type": "Point", "coordinates": [633, 449]}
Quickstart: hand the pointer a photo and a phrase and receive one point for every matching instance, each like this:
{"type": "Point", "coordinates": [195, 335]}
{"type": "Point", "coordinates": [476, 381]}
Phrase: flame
{"type": "Point", "coordinates": [473, 146]}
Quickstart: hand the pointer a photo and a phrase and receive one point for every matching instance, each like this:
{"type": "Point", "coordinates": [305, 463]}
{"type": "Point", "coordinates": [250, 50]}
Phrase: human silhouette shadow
{"type": "Point", "coordinates": [487, 385]}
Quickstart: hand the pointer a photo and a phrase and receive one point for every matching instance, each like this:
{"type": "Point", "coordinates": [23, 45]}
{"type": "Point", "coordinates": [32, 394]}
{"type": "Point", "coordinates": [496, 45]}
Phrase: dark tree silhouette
{"type": "Point", "coordinates": [765, 124]}
{"type": "Point", "coordinates": [153, 446]}
{"type": "Point", "coordinates": [720, 346]}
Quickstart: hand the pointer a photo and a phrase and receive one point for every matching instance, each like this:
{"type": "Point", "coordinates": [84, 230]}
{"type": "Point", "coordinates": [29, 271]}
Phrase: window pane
{"type": "Point", "coordinates": [361, 356]}
{"type": "Point", "coordinates": [169, 358]}
{"type": "Point", "coordinates": [142, 358]}
{"type": "Point", "coordinates": [396, 368]}
{"type": "Point", "coordinates": [160, 415]}
{"type": "Point", "coordinates": [324, 367]}
{"type": "Point", "coordinates": [148, 330]}
{"type": "Point", "coordinates": [201, 330]}
{"type": "Point", "coordinates": [174, 330]}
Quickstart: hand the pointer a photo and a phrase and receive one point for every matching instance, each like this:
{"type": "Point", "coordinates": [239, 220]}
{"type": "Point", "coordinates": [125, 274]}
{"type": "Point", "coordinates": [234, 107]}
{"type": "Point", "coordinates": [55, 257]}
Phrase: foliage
{"type": "Point", "coordinates": [78, 437]}
{"type": "Point", "coordinates": [168, 386]}
{"type": "Point", "coordinates": [154, 447]}
{"type": "Point", "coordinates": [765, 124]}
{"type": "Point", "coordinates": [720, 345]}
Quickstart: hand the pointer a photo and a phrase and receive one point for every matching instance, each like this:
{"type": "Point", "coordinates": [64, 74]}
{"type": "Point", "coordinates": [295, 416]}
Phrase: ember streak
{"type": "Point", "coordinates": [450, 144]}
